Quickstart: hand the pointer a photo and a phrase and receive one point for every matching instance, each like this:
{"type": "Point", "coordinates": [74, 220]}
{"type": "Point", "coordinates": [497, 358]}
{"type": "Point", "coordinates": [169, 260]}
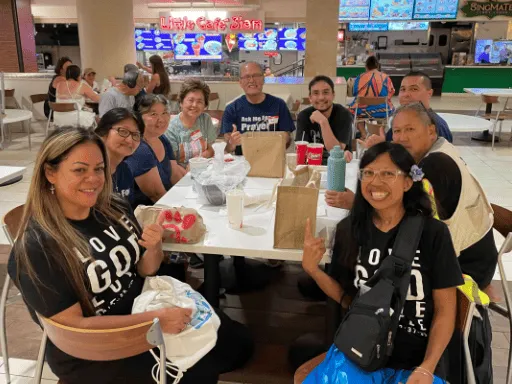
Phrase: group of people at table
{"type": "Point", "coordinates": [80, 257]}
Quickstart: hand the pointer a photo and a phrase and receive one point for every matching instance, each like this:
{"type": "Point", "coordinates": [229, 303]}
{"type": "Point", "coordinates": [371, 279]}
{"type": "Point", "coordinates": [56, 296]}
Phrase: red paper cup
{"type": "Point", "coordinates": [315, 154]}
{"type": "Point", "coordinates": [301, 149]}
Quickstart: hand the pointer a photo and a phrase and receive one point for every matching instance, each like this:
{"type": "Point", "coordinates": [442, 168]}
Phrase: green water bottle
{"type": "Point", "coordinates": [336, 167]}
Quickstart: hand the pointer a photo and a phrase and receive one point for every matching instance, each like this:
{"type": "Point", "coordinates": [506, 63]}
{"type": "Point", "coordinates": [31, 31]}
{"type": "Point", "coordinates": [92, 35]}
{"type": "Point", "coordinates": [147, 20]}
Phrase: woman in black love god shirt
{"type": "Point", "coordinates": [81, 258]}
{"type": "Point", "coordinates": [389, 188]}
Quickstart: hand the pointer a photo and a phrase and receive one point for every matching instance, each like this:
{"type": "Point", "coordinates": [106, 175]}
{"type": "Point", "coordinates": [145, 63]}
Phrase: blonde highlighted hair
{"type": "Point", "coordinates": [43, 213]}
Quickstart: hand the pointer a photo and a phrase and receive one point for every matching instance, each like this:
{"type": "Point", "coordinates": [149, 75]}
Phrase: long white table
{"type": "Point", "coordinates": [15, 116]}
{"type": "Point", "coordinates": [465, 123]}
{"type": "Point", "coordinates": [256, 238]}
{"type": "Point", "coordinates": [9, 175]}
{"type": "Point", "coordinates": [495, 92]}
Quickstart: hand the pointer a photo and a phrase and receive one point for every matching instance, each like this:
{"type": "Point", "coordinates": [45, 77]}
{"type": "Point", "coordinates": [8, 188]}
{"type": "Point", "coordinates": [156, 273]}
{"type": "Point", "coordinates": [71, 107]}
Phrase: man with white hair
{"type": "Point", "coordinates": [254, 111]}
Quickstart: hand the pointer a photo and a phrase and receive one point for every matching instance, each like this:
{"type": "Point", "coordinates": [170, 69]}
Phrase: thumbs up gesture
{"type": "Point", "coordinates": [314, 250]}
{"type": "Point", "coordinates": [236, 137]}
{"type": "Point", "coordinates": [152, 234]}
{"type": "Point", "coordinates": [374, 139]}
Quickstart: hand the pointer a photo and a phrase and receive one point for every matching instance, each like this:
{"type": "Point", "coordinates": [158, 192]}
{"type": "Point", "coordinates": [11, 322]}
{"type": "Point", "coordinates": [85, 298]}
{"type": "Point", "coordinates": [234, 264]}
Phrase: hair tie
{"type": "Point", "coordinates": [416, 173]}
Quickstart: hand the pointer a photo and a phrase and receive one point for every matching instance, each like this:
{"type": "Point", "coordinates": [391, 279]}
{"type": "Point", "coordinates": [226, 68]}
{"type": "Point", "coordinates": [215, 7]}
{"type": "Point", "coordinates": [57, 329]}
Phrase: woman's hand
{"type": "Point", "coordinates": [174, 320]}
{"type": "Point", "coordinates": [152, 234]}
{"type": "Point", "coordinates": [314, 250]}
{"type": "Point", "coordinates": [343, 200]}
{"type": "Point", "coordinates": [420, 376]}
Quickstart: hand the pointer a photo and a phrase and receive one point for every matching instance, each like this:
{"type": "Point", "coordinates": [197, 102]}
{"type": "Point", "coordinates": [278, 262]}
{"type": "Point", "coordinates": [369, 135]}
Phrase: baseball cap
{"type": "Point", "coordinates": [89, 70]}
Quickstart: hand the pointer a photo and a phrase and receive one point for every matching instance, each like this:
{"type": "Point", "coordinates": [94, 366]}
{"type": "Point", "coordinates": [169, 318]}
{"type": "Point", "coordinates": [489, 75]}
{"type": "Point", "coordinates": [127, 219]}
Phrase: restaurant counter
{"type": "Point", "coordinates": [26, 84]}
{"type": "Point", "coordinates": [456, 78]}
{"type": "Point", "coordinates": [348, 71]}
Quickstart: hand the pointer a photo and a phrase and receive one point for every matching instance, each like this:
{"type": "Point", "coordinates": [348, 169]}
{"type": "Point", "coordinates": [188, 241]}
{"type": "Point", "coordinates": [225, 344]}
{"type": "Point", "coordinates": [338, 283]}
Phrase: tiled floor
{"type": "Point", "coordinates": [492, 168]}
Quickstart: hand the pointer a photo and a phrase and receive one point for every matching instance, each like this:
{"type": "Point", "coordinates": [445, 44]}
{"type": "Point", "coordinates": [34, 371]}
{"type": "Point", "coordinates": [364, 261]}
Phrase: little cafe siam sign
{"type": "Point", "coordinates": [240, 22]}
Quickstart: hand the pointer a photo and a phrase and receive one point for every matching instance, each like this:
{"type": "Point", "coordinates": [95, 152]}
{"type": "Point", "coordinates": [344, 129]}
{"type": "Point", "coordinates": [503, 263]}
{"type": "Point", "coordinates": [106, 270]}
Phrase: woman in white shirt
{"type": "Point", "coordinates": [75, 91]}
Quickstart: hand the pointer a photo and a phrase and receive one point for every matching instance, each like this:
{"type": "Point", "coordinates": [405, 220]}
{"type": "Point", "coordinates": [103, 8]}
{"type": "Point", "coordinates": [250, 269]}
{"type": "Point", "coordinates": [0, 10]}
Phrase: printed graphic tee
{"type": "Point", "coordinates": [110, 274]}
{"type": "Point", "coordinates": [435, 266]}
{"type": "Point", "coordinates": [271, 114]}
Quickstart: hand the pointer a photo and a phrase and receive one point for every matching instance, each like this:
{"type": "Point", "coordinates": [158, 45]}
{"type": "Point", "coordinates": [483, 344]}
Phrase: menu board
{"type": "Point", "coordinates": [501, 52]}
{"type": "Point", "coordinates": [197, 46]}
{"type": "Point", "coordinates": [391, 9]}
{"type": "Point", "coordinates": [483, 51]}
{"type": "Point", "coordinates": [292, 39]}
{"type": "Point", "coordinates": [354, 10]}
{"type": "Point", "coordinates": [368, 27]}
{"type": "Point", "coordinates": [273, 39]}
{"type": "Point", "coordinates": [436, 9]}
{"type": "Point", "coordinates": [408, 26]}
{"type": "Point", "coordinates": [152, 40]}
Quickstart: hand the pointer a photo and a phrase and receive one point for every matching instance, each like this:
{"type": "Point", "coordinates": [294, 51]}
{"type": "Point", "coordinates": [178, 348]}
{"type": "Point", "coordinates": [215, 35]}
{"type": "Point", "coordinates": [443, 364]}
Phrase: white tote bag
{"type": "Point", "coordinates": [186, 348]}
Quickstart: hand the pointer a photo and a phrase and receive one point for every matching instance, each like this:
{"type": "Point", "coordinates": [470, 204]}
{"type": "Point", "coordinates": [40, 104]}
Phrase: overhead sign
{"type": "Point", "coordinates": [231, 23]}
{"type": "Point", "coordinates": [489, 9]}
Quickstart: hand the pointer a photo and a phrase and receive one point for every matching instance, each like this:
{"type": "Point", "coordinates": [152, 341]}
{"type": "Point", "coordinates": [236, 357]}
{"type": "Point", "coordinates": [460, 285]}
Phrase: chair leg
{"type": "Point", "coordinates": [40, 359]}
{"type": "Point", "coordinates": [3, 333]}
{"type": "Point", "coordinates": [28, 133]}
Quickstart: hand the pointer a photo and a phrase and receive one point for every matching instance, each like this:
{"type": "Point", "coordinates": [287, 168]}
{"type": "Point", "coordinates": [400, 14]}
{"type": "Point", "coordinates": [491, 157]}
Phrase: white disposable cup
{"type": "Point", "coordinates": [235, 204]}
{"type": "Point", "coordinates": [198, 163]}
{"type": "Point", "coordinates": [291, 161]}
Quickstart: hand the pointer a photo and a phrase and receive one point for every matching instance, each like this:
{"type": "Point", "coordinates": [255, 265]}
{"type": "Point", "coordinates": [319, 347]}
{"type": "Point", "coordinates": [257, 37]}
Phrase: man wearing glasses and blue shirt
{"type": "Point", "coordinates": [254, 111]}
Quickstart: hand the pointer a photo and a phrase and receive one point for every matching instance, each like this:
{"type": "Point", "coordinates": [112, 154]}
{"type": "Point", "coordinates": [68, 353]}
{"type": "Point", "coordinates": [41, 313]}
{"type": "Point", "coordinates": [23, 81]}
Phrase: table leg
{"type": "Point", "coordinates": [485, 136]}
{"type": "Point", "coordinates": [212, 279]}
{"type": "Point", "coordinates": [28, 133]}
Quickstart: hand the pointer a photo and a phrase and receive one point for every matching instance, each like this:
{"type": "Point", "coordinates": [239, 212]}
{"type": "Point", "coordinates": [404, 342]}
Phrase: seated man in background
{"type": "Point", "coordinates": [254, 111]}
{"type": "Point", "coordinates": [122, 95]}
{"type": "Point", "coordinates": [417, 87]}
{"type": "Point", "coordinates": [325, 122]}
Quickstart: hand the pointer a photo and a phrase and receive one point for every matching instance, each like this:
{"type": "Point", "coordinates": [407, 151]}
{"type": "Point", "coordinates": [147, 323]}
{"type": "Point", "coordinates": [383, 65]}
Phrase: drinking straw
{"type": "Point", "coordinates": [303, 133]}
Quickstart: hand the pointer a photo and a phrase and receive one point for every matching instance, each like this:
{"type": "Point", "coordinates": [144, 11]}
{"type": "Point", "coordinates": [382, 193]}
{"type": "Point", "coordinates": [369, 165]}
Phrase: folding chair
{"type": "Point", "coordinates": [215, 98]}
{"type": "Point", "coordinates": [498, 117]}
{"type": "Point", "coordinates": [38, 98]}
{"type": "Point", "coordinates": [10, 100]}
{"type": "Point", "coordinates": [369, 101]}
{"type": "Point", "coordinates": [11, 224]}
{"type": "Point", "coordinates": [295, 110]}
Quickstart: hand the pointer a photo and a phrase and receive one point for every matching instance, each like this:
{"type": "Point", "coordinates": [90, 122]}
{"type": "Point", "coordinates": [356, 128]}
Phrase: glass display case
{"type": "Point", "coordinates": [429, 63]}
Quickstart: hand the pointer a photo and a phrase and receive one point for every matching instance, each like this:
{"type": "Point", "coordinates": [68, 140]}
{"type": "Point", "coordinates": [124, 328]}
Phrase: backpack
{"type": "Point", "coordinates": [368, 330]}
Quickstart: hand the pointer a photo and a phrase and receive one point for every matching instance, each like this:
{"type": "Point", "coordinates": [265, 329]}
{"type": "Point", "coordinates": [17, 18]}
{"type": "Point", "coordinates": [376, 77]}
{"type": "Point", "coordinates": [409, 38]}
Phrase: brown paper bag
{"type": "Point", "coordinates": [294, 206]}
{"type": "Point", "coordinates": [181, 225]}
{"type": "Point", "coordinates": [265, 152]}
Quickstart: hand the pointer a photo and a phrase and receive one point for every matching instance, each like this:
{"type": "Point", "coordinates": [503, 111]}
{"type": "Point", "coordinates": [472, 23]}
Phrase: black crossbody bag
{"type": "Point", "coordinates": [367, 332]}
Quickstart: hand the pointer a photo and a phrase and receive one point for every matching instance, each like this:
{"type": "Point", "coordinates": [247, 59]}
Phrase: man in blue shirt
{"type": "Point", "coordinates": [254, 111]}
{"type": "Point", "coordinates": [417, 87]}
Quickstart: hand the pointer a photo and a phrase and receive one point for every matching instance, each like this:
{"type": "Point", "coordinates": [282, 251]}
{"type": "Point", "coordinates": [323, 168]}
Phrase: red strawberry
{"type": "Point", "coordinates": [177, 217]}
{"type": "Point", "coordinates": [168, 215]}
{"type": "Point", "coordinates": [189, 221]}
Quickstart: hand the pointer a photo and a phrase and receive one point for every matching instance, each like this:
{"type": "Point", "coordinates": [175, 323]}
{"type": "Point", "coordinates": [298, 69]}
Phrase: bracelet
{"type": "Point", "coordinates": [424, 371]}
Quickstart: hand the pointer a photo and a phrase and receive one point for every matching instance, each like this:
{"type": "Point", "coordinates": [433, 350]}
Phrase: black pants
{"type": "Point", "coordinates": [234, 348]}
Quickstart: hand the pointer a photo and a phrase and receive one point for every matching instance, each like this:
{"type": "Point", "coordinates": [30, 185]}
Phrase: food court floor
{"type": "Point", "coordinates": [276, 315]}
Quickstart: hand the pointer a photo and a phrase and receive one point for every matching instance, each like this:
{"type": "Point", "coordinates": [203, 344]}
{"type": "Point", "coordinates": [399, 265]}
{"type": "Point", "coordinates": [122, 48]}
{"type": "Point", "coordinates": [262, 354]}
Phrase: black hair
{"type": "Point", "coordinates": [73, 72]}
{"type": "Point", "coordinates": [130, 79]}
{"type": "Point", "coordinates": [63, 60]}
{"type": "Point", "coordinates": [320, 78]}
{"type": "Point", "coordinates": [426, 78]}
{"type": "Point", "coordinates": [356, 229]}
{"type": "Point", "coordinates": [372, 63]}
{"type": "Point", "coordinates": [113, 117]}
{"type": "Point", "coordinates": [487, 47]}
{"type": "Point", "coordinates": [147, 101]}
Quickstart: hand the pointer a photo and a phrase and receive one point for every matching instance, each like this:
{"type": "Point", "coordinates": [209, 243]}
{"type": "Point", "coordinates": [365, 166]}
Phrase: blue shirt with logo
{"type": "Point", "coordinates": [123, 182]}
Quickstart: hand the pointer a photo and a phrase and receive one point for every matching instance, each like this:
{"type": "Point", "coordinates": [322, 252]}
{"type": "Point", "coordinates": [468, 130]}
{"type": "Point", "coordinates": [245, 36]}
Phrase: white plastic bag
{"type": "Point", "coordinates": [189, 346]}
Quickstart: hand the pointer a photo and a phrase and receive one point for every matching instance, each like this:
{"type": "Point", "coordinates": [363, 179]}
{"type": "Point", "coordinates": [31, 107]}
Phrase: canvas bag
{"type": "Point", "coordinates": [181, 225]}
{"type": "Point", "coordinates": [367, 333]}
{"type": "Point", "coordinates": [265, 152]}
{"type": "Point", "coordinates": [186, 348]}
{"type": "Point", "coordinates": [296, 202]}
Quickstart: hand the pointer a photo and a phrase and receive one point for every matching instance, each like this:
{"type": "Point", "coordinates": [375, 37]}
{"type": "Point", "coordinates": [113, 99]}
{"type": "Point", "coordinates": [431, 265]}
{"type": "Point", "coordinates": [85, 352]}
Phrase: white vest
{"type": "Point", "coordinates": [473, 217]}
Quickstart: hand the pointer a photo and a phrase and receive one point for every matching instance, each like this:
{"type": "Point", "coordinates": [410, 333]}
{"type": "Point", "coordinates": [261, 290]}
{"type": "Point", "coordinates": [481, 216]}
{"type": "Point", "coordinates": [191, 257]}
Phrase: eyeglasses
{"type": "Point", "coordinates": [256, 76]}
{"type": "Point", "coordinates": [386, 176]}
{"type": "Point", "coordinates": [194, 101]}
{"type": "Point", "coordinates": [155, 116]}
{"type": "Point", "coordinates": [123, 132]}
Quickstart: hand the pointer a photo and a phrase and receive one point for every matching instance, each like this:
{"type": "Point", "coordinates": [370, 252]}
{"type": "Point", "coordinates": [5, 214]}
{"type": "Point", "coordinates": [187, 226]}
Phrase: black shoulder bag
{"type": "Point", "coordinates": [368, 330]}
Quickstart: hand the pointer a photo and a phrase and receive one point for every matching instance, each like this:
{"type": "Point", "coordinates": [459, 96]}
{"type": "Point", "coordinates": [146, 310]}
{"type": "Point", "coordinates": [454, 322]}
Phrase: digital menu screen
{"type": "Point", "coordinates": [501, 52]}
{"type": "Point", "coordinates": [197, 46]}
{"type": "Point", "coordinates": [292, 39]}
{"type": "Point", "coordinates": [368, 27]}
{"type": "Point", "coordinates": [408, 26]}
{"type": "Point", "coordinates": [152, 40]}
{"type": "Point", "coordinates": [391, 9]}
{"type": "Point", "coordinates": [354, 10]}
{"type": "Point", "coordinates": [483, 51]}
{"type": "Point", "coordinates": [273, 39]}
{"type": "Point", "coordinates": [436, 9]}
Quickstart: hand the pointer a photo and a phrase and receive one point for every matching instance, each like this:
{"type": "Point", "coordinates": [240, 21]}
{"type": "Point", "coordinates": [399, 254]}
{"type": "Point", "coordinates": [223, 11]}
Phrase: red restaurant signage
{"type": "Point", "coordinates": [228, 24]}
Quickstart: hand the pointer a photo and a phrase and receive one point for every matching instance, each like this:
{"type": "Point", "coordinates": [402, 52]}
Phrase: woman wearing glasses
{"type": "Point", "coordinates": [153, 164]}
{"type": "Point", "coordinates": [192, 133]}
{"type": "Point", "coordinates": [121, 132]}
{"type": "Point", "coordinates": [389, 190]}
